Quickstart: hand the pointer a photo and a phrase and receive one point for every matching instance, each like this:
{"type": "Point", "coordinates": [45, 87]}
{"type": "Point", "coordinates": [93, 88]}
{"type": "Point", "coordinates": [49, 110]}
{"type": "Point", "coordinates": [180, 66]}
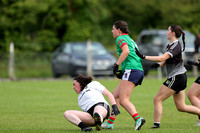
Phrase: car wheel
{"type": "Point", "coordinates": [146, 72]}
{"type": "Point", "coordinates": [55, 74]}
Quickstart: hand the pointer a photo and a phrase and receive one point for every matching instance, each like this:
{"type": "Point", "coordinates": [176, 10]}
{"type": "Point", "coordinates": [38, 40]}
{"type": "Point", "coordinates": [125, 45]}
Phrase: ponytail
{"type": "Point", "coordinates": [183, 39]}
{"type": "Point", "coordinates": [178, 32]}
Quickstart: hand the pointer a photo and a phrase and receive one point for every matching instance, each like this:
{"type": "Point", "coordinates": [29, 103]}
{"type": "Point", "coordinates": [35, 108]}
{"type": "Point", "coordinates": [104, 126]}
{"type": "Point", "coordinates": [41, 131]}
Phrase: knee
{"type": "Point", "coordinates": [156, 100]}
{"type": "Point", "coordinates": [67, 114]}
{"type": "Point", "coordinates": [122, 102]}
{"type": "Point", "coordinates": [180, 108]}
{"type": "Point", "coordinates": [189, 95]}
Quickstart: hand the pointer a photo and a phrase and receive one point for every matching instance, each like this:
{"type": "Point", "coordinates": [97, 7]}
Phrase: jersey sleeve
{"type": "Point", "coordinates": [120, 42]}
{"type": "Point", "coordinates": [174, 50]}
{"type": "Point", "coordinates": [98, 86]}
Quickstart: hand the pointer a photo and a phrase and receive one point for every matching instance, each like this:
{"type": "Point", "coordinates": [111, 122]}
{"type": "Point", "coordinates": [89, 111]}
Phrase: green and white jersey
{"type": "Point", "coordinates": [132, 61]}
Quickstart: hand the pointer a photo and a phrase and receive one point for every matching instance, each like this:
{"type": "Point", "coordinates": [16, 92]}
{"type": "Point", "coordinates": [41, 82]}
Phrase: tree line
{"type": "Point", "coordinates": [41, 25]}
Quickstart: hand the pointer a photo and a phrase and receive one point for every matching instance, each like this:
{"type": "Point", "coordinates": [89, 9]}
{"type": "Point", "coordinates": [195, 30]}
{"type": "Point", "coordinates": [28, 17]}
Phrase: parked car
{"type": "Point", "coordinates": [71, 58]}
{"type": "Point", "coordinates": [154, 42]}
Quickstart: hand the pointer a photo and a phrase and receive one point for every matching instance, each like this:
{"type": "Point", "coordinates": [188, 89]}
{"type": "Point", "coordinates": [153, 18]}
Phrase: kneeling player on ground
{"type": "Point", "coordinates": [94, 107]}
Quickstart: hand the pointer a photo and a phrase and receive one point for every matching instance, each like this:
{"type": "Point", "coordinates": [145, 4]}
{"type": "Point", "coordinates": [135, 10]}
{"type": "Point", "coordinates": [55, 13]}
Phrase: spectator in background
{"type": "Point", "coordinates": [196, 54]}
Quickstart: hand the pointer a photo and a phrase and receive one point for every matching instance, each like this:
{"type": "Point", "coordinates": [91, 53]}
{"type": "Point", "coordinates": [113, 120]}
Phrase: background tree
{"type": "Point", "coordinates": [39, 26]}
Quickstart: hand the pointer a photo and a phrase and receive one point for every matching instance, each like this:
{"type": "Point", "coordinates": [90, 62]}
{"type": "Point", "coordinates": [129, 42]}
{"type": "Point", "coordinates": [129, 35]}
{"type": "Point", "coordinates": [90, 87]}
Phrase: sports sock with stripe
{"type": "Point", "coordinates": [136, 116]}
{"type": "Point", "coordinates": [110, 120]}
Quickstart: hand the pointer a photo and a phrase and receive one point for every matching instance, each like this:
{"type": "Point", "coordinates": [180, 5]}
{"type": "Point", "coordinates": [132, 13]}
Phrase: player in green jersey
{"type": "Point", "coordinates": [131, 75]}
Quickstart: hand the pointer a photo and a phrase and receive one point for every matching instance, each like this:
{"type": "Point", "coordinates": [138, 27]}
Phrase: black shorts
{"type": "Point", "coordinates": [177, 83]}
{"type": "Point", "coordinates": [197, 80]}
{"type": "Point", "coordinates": [91, 110]}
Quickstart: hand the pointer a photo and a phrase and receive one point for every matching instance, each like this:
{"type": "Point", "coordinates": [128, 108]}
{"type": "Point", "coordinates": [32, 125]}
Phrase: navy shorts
{"type": "Point", "coordinates": [133, 75]}
{"type": "Point", "coordinates": [197, 80]}
{"type": "Point", "coordinates": [177, 83]}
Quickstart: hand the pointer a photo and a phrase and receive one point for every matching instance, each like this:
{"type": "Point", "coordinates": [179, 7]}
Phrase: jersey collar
{"type": "Point", "coordinates": [173, 42]}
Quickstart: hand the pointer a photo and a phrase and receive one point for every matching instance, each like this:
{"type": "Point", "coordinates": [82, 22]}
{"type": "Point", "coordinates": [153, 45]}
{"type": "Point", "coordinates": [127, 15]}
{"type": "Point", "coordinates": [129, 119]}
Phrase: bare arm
{"type": "Point", "coordinates": [110, 96]}
{"type": "Point", "coordinates": [115, 110]}
{"type": "Point", "coordinates": [124, 54]}
{"type": "Point", "coordinates": [161, 58]}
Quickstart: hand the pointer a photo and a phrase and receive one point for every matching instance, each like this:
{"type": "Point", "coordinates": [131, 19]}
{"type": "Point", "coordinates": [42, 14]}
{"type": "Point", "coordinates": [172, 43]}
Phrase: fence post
{"type": "Point", "coordinates": [89, 58]}
{"type": "Point", "coordinates": [11, 62]}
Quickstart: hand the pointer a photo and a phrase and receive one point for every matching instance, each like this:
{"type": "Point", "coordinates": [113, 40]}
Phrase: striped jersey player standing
{"type": "Point", "coordinates": [176, 75]}
{"type": "Point", "coordinates": [130, 76]}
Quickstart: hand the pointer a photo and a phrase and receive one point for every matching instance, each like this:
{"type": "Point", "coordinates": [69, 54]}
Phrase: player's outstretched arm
{"type": "Point", "coordinates": [111, 98]}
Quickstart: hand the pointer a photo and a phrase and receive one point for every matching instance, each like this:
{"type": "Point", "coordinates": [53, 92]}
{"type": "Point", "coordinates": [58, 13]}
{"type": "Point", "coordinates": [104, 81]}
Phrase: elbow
{"type": "Point", "coordinates": [127, 52]}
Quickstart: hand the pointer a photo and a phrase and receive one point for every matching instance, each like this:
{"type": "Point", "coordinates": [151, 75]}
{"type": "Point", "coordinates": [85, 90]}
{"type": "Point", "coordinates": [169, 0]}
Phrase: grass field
{"type": "Point", "coordinates": [37, 106]}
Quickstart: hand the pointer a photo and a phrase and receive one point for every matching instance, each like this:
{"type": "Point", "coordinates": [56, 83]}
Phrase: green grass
{"type": "Point", "coordinates": [37, 106]}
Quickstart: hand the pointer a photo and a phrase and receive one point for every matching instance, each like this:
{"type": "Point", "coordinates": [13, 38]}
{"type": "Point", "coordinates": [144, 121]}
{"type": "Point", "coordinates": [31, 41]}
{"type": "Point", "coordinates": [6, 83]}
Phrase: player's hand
{"type": "Point", "coordinates": [116, 67]}
{"type": "Point", "coordinates": [139, 54]}
{"type": "Point", "coordinates": [190, 62]}
{"type": "Point", "coordinates": [193, 63]}
{"type": "Point", "coordinates": [119, 74]}
{"type": "Point", "coordinates": [155, 65]}
{"type": "Point", "coordinates": [115, 110]}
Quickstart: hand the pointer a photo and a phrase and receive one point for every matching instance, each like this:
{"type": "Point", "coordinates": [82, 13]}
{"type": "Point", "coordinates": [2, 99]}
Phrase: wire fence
{"type": "Point", "coordinates": [26, 64]}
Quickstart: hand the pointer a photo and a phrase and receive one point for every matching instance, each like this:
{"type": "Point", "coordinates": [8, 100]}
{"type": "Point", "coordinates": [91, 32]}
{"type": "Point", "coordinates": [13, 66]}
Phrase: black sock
{"type": "Point", "coordinates": [81, 125]}
{"type": "Point", "coordinates": [199, 117]}
{"type": "Point", "coordinates": [156, 124]}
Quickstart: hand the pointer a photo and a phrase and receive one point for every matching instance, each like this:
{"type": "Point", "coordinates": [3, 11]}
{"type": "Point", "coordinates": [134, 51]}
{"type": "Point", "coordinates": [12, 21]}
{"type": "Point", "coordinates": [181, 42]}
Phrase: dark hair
{"type": "Point", "coordinates": [83, 80]}
{"type": "Point", "coordinates": [122, 25]}
{"type": "Point", "coordinates": [178, 32]}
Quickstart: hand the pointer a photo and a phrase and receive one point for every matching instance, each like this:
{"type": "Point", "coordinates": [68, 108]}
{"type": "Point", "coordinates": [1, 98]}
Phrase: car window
{"type": "Point", "coordinates": [98, 49]}
{"type": "Point", "coordinates": [81, 49]}
{"type": "Point", "coordinates": [58, 50]}
{"type": "Point", "coordinates": [146, 39]}
{"type": "Point", "coordinates": [157, 41]}
{"type": "Point", "coordinates": [67, 49]}
{"type": "Point", "coordinates": [154, 39]}
{"type": "Point", "coordinates": [189, 40]}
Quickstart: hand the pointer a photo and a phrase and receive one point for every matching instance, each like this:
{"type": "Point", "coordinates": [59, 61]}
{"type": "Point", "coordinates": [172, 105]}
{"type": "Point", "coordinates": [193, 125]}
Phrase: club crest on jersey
{"type": "Point", "coordinates": [167, 82]}
{"type": "Point", "coordinates": [125, 75]}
